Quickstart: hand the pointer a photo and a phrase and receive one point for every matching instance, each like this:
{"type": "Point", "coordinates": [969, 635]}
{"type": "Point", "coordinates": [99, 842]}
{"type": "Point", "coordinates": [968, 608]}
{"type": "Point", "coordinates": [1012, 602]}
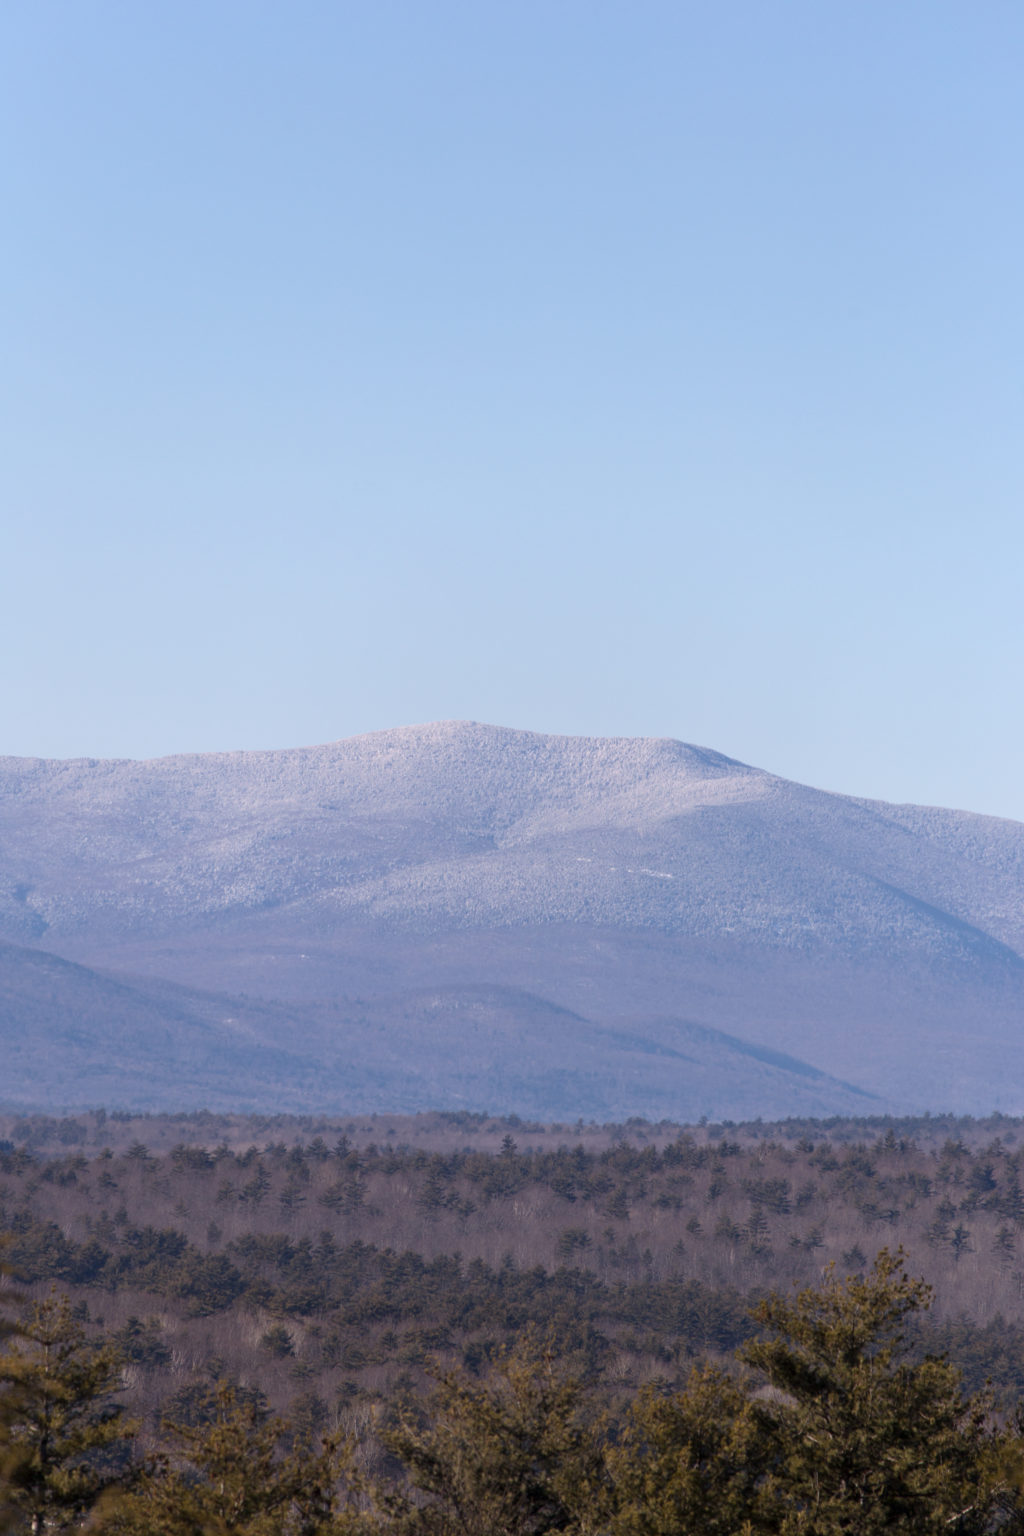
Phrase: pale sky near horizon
{"type": "Point", "coordinates": [648, 369]}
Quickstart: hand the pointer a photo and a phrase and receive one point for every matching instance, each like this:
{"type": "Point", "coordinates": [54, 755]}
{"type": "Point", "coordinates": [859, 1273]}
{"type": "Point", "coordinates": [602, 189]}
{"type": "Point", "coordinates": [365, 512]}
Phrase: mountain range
{"type": "Point", "coordinates": [461, 916]}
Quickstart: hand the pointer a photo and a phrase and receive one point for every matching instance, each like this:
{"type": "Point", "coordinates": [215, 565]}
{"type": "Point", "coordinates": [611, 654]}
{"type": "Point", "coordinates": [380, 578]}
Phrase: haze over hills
{"type": "Point", "coordinates": [458, 915]}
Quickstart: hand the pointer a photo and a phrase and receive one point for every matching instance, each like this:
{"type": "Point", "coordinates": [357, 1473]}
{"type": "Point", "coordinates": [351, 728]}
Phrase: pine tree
{"type": "Point", "coordinates": [8, 1411]}
{"type": "Point", "coordinates": [868, 1441]}
{"type": "Point", "coordinates": [66, 1441]}
{"type": "Point", "coordinates": [693, 1461]}
{"type": "Point", "coordinates": [511, 1455]}
{"type": "Point", "coordinates": [235, 1474]}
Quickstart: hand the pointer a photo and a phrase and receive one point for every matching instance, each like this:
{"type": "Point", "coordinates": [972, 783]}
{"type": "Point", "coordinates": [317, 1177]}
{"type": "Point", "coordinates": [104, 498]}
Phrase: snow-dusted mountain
{"type": "Point", "coordinates": [465, 916]}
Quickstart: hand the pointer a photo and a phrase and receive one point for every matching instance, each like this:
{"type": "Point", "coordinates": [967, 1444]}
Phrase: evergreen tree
{"type": "Point", "coordinates": [867, 1441]}
{"type": "Point", "coordinates": [696, 1461]}
{"type": "Point", "coordinates": [235, 1474]}
{"type": "Point", "coordinates": [65, 1439]}
{"type": "Point", "coordinates": [512, 1455]}
{"type": "Point", "coordinates": [8, 1414]}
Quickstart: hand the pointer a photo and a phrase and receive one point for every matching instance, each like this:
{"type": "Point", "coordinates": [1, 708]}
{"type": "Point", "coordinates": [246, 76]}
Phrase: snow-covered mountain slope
{"type": "Point", "coordinates": [619, 880]}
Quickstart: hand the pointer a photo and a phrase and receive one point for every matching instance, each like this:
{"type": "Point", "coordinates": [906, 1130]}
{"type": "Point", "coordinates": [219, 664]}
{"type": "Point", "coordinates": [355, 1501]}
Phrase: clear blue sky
{"type": "Point", "coordinates": [648, 368]}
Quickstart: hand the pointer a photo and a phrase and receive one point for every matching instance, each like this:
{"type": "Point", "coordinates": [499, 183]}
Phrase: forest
{"type": "Point", "coordinates": [373, 1311]}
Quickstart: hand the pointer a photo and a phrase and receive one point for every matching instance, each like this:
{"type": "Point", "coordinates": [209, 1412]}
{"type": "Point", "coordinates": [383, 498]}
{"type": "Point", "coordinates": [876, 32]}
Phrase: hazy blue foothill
{"type": "Point", "coordinates": [458, 915]}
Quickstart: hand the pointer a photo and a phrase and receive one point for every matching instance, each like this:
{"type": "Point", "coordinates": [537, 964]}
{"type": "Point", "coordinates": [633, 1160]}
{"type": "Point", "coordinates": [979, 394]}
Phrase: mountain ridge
{"type": "Point", "coordinates": [615, 878]}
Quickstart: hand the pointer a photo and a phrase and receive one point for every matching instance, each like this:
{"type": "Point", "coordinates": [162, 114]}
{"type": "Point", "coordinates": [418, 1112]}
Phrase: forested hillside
{"type": "Point", "coordinates": [828, 1420]}
{"type": "Point", "coordinates": [318, 1262]}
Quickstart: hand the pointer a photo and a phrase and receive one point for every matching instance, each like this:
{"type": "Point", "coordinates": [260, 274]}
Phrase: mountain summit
{"type": "Point", "coordinates": [458, 915]}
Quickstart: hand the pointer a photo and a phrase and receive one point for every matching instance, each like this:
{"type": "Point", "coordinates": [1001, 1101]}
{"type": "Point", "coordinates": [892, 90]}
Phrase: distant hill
{"type": "Point", "coordinates": [462, 916]}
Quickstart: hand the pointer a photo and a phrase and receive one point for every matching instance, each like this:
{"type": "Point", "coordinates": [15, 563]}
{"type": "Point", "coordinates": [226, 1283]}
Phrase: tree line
{"type": "Point", "coordinates": [827, 1421]}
